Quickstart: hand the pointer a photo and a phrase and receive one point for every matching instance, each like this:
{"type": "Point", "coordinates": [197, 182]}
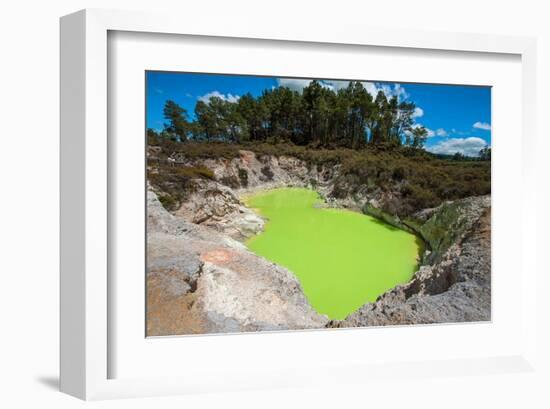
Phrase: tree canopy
{"type": "Point", "coordinates": [349, 117]}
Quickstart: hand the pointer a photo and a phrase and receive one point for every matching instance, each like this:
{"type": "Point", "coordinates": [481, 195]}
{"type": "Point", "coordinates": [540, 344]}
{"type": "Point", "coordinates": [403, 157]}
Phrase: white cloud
{"type": "Point", "coordinates": [372, 88]}
{"type": "Point", "coordinates": [418, 112]}
{"type": "Point", "coordinates": [467, 146]}
{"type": "Point", "coordinates": [335, 85]}
{"type": "Point", "coordinates": [226, 97]}
{"type": "Point", "coordinates": [294, 84]}
{"type": "Point", "coordinates": [400, 92]}
{"type": "Point", "coordinates": [390, 91]}
{"type": "Point", "coordinates": [482, 125]}
{"type": "Point", "coordinates": [441, 132]}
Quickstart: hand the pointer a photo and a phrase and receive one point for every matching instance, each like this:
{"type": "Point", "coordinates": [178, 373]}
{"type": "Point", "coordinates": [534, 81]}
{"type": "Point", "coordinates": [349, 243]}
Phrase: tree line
{"type": "Point", "coordinates": [349, 117]}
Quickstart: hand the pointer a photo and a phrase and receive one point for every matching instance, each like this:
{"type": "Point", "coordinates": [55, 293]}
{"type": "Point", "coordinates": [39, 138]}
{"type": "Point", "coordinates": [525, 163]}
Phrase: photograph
{"type": "Point", "coordinates": [235, 204]}
{"type": "Point", "coordinates": [278, 203]}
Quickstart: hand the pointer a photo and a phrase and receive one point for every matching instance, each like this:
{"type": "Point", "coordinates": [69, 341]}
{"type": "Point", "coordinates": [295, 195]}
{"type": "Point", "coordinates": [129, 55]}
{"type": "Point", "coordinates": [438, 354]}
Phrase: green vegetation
{"type": "Point", "coordinates": [374, 142]}
{"type": "Point", "coordinates": [417, 179]}
{"type": "Point", "coordinates": [318, 116]}
{"type": "Point", "coordinates": [485, 153]}
{"type": "Point", "coordinates": [176, 182]}
{"type": "Point", "coordinates": [343, 259]}
{"type": "Point", "coordinates": [168, 201]}
{"type": "Point", "coordinates": [243, 177]}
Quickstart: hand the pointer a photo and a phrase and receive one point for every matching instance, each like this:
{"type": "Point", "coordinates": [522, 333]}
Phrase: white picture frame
{"type": "Point", "coordinates": [85, 217]}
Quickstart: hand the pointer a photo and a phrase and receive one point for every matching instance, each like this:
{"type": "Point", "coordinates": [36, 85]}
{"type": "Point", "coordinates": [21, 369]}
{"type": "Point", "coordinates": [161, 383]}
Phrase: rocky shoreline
{"type": "Point", "coordinates": [453, 283]}
{"type": "Point", "coordinates": [202, 279]}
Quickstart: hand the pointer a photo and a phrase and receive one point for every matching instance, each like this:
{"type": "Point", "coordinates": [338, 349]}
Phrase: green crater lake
{"type": "Point", "coordinates": [343, 259]}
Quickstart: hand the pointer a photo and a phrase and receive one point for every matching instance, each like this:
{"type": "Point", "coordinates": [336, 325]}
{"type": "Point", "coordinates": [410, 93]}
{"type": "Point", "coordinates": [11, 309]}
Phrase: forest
{"type": "Point", "coordinates": [375, 142]}
{"type": "Point", "coordinates": [318, 117]}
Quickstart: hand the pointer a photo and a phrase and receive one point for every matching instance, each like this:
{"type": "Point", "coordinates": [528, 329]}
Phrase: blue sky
{"type": "Point", "coordinates": [458, 118]}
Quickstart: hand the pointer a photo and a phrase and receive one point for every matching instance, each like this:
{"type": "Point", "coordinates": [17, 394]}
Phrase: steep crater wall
{"type": "Point", "coordinates": [453, 280]}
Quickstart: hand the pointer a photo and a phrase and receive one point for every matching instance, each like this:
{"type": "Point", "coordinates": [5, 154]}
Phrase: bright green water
{"type": "Point", "coordinates": [343, 259]}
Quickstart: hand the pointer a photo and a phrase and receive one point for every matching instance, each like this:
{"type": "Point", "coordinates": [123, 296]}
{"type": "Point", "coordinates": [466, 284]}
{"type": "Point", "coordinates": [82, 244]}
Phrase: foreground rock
{"type": "Point", "coordinates": [456, 287]}
{"type": "Point", "coordinates": [216, 206]}
{"type": "Point", "coordinates": [200, 281]}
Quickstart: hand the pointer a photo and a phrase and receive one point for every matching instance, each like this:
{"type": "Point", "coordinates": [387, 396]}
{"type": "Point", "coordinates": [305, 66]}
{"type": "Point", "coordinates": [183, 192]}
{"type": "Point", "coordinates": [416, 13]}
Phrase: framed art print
{"type": "Point", "coordinates": [238, 203]}
{"type": "Point", "coordinates": [291, 203]}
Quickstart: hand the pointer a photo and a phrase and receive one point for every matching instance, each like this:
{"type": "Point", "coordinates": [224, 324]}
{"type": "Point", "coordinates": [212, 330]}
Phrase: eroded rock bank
{"type": "Point", "coordinates": [202, 279]}
{"type": "Point", "coordinates": [453, 284]}
{"type": "Point", "coordinates": [215, 202]}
